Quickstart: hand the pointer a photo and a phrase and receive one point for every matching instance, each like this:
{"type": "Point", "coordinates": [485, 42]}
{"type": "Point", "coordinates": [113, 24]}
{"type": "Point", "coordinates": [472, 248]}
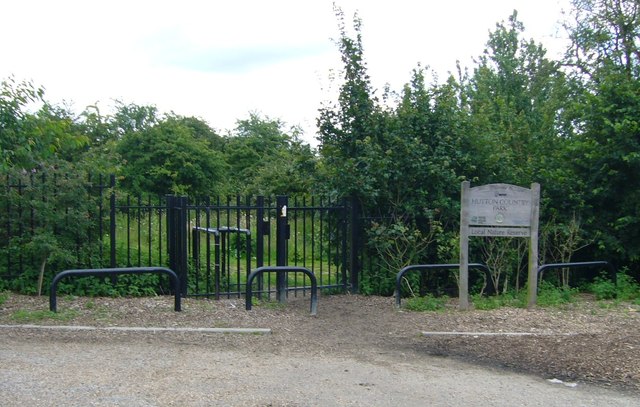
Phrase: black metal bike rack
{"type": "Point", "coordinates": [421, 267]}
{"type": "Point", "coordinates": [284, 269]}
{"type": "Point", "coordinates": [584, 264]}
{"type": "Point", "coordinates": [111, 272]}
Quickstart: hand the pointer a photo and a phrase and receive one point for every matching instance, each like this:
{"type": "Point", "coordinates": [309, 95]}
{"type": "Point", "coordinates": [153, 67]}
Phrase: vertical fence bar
{"type": "Point", "coordinates": [171, 240]}
{"type": "Point", "coordinates": [128, 212]}
{"type": "Point", "coordinates": [149, 231]}
{"type": "Point", "coordinates": [218, 261]}
{"type": "Point", "coordinates": [112, 221]}
{"type": "Point", "coordinates": [323, 253]}
{"type": "Point", "coordinates": [139, 229]}
{"type": "Point", "coordinates": [225, 249]}
{"type": "Point", "coordinates": [344, 223]}
{"type": "Point", "coordinates": [354, 253]}
{"type": "Point", "coordinates": [295, 242]}
{"type": "Point", "coordinates": [248, 238]}
{"type": "Point", "coordinates": [183, 241]}
{"type": "Point", "coordinates": [160, 229]}
{"type": "Point", "coordinates": [208, 225]}
{"type": "Point", "coordinates": [282, 203]}
{"type": "Point", "coordinates": [261, 229]}
{"type": "Point", "coordinates": [101, 217]}
{"type": "Point", "coordinates": [313, 234]}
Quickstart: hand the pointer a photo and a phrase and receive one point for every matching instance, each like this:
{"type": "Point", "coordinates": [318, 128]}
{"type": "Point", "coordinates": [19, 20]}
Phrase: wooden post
{"type": "Point", "coordinates": [463, 278]}
{"type": "Point", "coordinates": [533, 246]}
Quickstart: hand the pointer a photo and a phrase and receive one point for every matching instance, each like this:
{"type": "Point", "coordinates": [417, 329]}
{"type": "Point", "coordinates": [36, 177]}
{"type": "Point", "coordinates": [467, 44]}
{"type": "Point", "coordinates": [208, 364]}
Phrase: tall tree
{"type": "Point", "coordinates": [266, 159]}
{"type": "Point", "coordinates": [514, 96]}
{"type": "Point", "coordinates": [169, 158]}
{"type": "Point", "coordinates": [605, 55]}
{"type": "Point", "coordinates": [349, 127]}
{"type": "Point", "coordinates": [28, 139]}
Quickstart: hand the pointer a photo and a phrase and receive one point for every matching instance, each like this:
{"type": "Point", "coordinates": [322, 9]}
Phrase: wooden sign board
{"type": "Point", "coordinates": [499, 205]}
{"type": "Point", "coordinates": [498, 210]}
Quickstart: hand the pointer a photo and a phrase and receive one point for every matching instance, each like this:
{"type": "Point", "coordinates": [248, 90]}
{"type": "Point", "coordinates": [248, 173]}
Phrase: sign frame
{"type": "Point", "coordinates": [499, 210]}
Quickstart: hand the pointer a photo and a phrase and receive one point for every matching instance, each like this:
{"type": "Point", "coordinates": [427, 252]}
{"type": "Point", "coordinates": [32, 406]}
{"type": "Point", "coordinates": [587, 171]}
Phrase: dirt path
{"type": "Point", "coordinates": [358, 351]}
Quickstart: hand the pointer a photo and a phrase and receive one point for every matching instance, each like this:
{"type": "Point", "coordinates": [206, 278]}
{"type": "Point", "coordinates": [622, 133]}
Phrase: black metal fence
{"type": "Point", "coordinates": [212, 243]}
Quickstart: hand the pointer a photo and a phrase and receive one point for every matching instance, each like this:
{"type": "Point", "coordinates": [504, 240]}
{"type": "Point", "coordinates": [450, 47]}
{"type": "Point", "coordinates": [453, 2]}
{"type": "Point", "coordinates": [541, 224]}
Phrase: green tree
{"type": "Point", "coordinates": [348, 129]}
{"type": "Point", "coordinates": [54, 223]}
{"type": "Point", "coordinates": [30, 139]}
{"type": "Point", "coordinates": [515, 96]}
{"type": "Point", "coordinates": [266, 159]}
{"type": "Point", "coordinates": [169, 158]}
{"type": "Point", "coordinates": [605, 57]}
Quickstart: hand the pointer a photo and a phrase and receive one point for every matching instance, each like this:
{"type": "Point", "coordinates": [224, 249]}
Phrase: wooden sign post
{"type": "Point", "coordinates": [499, 210]}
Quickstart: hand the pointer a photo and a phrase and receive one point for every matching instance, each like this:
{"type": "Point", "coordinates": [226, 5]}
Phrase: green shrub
{"type": "Point", "coordinates": [627, 288]}
{"type": "Point", "coordinates": [426, 303]}
{"type": "Point", "coordinates": [4, 296]}
{"type": "Point", "coordinates": [550, 295]}
{"type": "Point", "coordinates": [603, 288]}
{"type": "Point", "coordinates": [486, 303]}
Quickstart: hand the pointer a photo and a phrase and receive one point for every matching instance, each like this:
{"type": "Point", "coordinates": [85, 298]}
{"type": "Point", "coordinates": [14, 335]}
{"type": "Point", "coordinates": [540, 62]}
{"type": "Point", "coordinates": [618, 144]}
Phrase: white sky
{"type": "Point", "coordinates": [220, 60]}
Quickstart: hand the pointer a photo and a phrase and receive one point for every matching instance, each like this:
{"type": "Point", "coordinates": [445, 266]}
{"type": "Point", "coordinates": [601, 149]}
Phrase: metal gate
{"type": "Point", "coordinates": [214, 245]}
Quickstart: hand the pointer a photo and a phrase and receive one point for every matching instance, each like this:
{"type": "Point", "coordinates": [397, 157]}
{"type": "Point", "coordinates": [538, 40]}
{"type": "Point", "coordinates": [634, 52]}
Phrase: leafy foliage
{"type": "Point", "coordinates": [169, 158]}
{"type": "Point", "coordinates": [516, 117]}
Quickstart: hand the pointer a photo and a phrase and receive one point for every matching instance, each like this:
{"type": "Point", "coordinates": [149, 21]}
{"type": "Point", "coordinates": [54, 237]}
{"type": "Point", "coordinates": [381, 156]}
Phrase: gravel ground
{"type": "Point", "coordinates": [358, 351]}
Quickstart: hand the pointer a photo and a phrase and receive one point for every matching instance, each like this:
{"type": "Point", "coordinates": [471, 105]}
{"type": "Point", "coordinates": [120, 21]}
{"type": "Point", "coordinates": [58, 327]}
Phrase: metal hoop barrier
{"type": "Point", "coordinates": [584, 264]}
{"type": "Point", "coordinates": [111, 272]}
{"type": "Point", "coordinates": [284, 269]}
{"type": "Point", "coordinates": [418, 267]}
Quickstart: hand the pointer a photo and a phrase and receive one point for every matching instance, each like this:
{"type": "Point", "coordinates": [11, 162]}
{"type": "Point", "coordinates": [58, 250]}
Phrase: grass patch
{"type": "Point", "coordinates": [41, 315]}
{"type": "Point", "coordinates": [426, 303]}
{"type": "Point", "coordinates": [268, 304]}
{"type": "Point", "coordinates": [4, 296]}
{"type": "Point", "coordinates": [551, 296]}
{"type": "Point", "coordinates": [487, 303]}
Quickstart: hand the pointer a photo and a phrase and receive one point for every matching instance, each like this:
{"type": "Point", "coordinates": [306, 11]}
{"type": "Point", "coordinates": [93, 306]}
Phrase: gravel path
{"type": "Point", "coordinates": [190, 369]}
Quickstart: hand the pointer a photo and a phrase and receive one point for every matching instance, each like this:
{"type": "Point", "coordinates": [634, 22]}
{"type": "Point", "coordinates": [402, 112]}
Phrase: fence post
{"type": "Point", "coordinates": [281, 246]}
{"type": "Point", "coordinates": [344, 227]}
{"type": "Point", "coordinates": [354, 259]}
{"type": "Point", "coordinates": [262, 228]}
{"type": "Point", "coordinates": [112, 221]}
{"type": "Point", "coordinates": [177, 239]}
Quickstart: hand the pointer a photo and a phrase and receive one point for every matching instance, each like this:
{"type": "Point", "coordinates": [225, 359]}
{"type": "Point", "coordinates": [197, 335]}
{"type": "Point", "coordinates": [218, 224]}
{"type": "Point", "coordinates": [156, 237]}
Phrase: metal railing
{"type": "Point", "coordinates": [111, 272]}
{"type": "Point", "coordinates": [584, 264]}
{"type": "Point", "coordinates": [283, 269]}
{"type": "Point", "coordinates": [422, 267]}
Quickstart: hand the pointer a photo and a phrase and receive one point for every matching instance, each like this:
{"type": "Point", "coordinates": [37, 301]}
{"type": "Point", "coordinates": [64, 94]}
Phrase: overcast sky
{"type": "Point", "coordinates": [220, 60]}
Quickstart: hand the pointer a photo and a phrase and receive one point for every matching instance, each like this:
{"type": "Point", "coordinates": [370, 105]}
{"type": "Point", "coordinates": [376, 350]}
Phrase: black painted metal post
{"type": "Point", "coordinates": [262, 229]}
{"type": "Point", "coordinates": [182, 243]}
{"type": "Point", "coordinates": [343, 246]}
{"type": "Point", "coordinates": [354, 252]}
{"type": "Point", "coordinates": [112, 221]}
{"type": "Point", "coordinates": [171, 239]}
{"type": "Point", "coordinates": [281, 246]}
{"type": "Point", "coordinates": [177, 239]}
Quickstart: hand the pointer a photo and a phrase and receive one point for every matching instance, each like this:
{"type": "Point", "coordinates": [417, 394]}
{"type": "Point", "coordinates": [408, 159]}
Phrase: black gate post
{"type": "Point", "coordinates": [177, 239]}
{"type": "Point", "coordinates": [282, 235]}
{"type": "Point", "coordinates": [344, 227]}
{"type": "Point", "coordinates": [112, 221]}
{"type": "Point", "coordinates": [354, 253]}
{"type": "Point", "coordinates": [262, 229]}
